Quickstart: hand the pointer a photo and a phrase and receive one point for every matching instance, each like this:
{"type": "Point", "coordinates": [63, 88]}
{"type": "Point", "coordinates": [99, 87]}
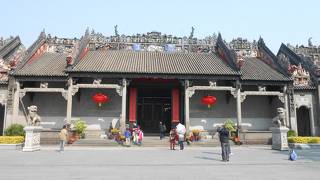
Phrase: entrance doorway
{"type": "Point", "coordinates": [153, 106]}
{"type": "Point", "coordinates": [303, 120]}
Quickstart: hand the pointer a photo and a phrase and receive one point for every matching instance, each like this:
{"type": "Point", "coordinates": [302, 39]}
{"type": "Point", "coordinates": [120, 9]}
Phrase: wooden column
{"type": "Point", "coordinates": [69, 102]}
{"type": "Point", "coordinates": [133, 105]}
{"type": "Point", "coordinates": [123, 106]}
{"type": "Point", "coordinates": [16, 99]}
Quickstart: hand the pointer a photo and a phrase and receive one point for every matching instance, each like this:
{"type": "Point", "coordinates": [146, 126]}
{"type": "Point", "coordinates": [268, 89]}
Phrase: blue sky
{"type": "Point", "coordinates": [274, 20]}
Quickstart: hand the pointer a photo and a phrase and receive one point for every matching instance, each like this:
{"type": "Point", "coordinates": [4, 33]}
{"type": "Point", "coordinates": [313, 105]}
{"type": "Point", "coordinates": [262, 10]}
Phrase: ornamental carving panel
{"type": "Point", "coordinates": [300, 76]}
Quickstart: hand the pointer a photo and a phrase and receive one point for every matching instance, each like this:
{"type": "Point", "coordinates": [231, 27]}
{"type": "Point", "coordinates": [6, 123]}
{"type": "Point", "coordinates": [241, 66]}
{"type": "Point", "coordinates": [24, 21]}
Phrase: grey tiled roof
{"type": "Point", "coordinates": [309, 87]}
{"type": "Point", "coordinates": [153, 63]}
{"type": "Point", "coordinates": [256, 69]}
{"type": "Point", "coordinates": [49, 64]}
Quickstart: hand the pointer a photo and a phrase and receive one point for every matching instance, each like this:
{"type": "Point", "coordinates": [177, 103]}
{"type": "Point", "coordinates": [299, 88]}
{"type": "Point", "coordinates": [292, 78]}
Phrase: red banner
{"type": "Point", "coordinates": [175, 106]}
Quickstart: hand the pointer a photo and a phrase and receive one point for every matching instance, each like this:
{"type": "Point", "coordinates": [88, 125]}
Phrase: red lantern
{"type": "Point", "coordinates": [100, 98]}
{"type": "Point", "coordinates": [209, 100]}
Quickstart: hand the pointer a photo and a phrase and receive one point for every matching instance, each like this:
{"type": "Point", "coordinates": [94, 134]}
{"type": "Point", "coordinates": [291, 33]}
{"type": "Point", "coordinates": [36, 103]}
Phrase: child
{"type": "Point", "coordinates": [127, 135]}
{"type": "Point", "coordinates": [173, 137]}
{"type": "Point", "coordinates": [140, 137]}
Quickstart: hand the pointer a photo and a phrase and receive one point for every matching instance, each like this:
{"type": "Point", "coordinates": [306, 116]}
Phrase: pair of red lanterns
{"type": "Point", "coordinates": [209, 100]}
{"type": "Point", "coordinates": [100, 98]}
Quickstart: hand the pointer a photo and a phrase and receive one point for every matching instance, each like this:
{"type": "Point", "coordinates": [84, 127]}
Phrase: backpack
{"type": "Point", "coordinates": [293, 155]}
{"type": "Point", "coordinates": [224, 132]}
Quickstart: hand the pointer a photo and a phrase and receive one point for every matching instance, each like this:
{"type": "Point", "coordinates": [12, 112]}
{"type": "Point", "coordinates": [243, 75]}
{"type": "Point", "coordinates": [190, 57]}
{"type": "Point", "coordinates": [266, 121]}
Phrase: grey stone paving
{"type": "Point", "coordinates": [248, 162]}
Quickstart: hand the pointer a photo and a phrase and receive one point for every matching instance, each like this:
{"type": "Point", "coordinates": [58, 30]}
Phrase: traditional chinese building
{"type": "Point", "coordinates": [302, 63]}
{"type": "Point", "coordinates": [11, 53]}
{"type": "Point", "coordinates": [152, 77]}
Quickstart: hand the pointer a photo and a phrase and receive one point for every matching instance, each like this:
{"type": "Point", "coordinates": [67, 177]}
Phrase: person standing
{"type": "Point", "coordinates": [163, 129]}
{"type": "Point", "coordinates": [224, 140]}
{"type": "Point", "coordinates": [63, 135]}
{"type": "Point", "coordinates": [181, 130]}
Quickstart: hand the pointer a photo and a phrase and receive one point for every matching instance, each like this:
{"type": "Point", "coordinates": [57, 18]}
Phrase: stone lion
{"type": "Point", "coordinates": [278, 121]}
{"type": "Point", "coordinates": [33, 118]}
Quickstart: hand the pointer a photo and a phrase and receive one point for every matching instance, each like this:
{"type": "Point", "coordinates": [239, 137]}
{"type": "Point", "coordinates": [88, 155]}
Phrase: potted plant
{"type": "Point", "coordinates": [230, 125]}
{"type": "Point", "coordinates": [80, 126]}
{"type": "Point", "coordinates": [196, 134]}
{"type": "Point", "coordinates": [115, 131]}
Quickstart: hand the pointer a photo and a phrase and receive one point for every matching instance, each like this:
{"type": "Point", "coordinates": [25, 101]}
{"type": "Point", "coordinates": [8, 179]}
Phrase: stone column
{"type": "Point", "coordinates": [239, 112]}
{"type": "Point", "coordinates": [123, 106]}
{"type": "Point", "coordinates": [186, 105]}
{"type": "Point", "coordinates": [311, 121]}
{"type": "Point", "coordinates": [16, 99]}
{"type": "Point", "coordinates": [69, 101]}
{"type": "Point", "coordinates": [286, 106]}
{"type": "Point", "coordinates": [239, 118]}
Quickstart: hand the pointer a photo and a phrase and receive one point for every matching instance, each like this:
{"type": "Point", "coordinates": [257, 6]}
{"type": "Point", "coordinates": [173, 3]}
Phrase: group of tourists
{"type": "Point", "coordinates": [180, 136]}
{"type": "Point", "coordinates": [134, 135]}
{"type": "Point", "coordinates": [177, 133]}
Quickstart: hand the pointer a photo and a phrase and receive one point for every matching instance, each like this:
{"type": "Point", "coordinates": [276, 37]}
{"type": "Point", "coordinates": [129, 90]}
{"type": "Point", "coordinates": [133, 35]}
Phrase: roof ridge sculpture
{"type": "Point", "coordinates": [271, 60]}
{"type": "Point", "coordinates": [83, 48]}
{"type": "Point", "coordinates": [12, 44]}
{"type": "Point", "coordinates": [225, 53]}
{"type": "Point", "coordinates": [31, 50]}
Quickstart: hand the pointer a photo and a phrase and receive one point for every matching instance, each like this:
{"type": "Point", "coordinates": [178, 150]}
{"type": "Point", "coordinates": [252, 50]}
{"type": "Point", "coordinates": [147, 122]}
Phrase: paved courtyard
{"type": "Point", "coordinates": [196, 163]}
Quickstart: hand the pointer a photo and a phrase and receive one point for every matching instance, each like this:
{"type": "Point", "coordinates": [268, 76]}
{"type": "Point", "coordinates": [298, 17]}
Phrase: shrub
{"type": "Point", "coordinates": [303, 140]}
{"type": "Point", "coordinates": [291, 133]}
{"type": "Point", "coordinates": [15, 130]}
{"type": "Point", "coordinates": [11, 139]}
{"type": "Point", "coordinates": [80, 126]}
{"type": "Point", "coordinates": [314, 140]}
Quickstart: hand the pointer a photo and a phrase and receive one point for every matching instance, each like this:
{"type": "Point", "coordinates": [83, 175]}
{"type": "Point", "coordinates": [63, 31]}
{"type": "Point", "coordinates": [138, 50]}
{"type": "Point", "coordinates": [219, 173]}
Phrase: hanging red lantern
{"type": "Point", "coordinates": [100, 98]}
{"type": "Point", "coordinates": [209, 100]}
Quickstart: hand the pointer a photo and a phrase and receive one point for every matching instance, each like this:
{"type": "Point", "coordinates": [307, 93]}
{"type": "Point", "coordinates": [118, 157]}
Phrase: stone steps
{"type": "Point", "coordinates": [95, 142]}
{"type": "Point", "coordinates": [147, 142]}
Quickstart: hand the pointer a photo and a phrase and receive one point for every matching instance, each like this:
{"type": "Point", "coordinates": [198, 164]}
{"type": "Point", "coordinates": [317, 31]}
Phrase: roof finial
{"type": "Point", "coordinates": [192, 32]}
{"type": "Point", "coordinates": [310, 42]}
{"type": "Point", "coordinates": [87, 31]}
{"type": "Point", "coordinates": [260, 41]}
{"type": "Point", "coordinates": [43, 33]}
{"type": "Point", "coordinates": [116, 30]}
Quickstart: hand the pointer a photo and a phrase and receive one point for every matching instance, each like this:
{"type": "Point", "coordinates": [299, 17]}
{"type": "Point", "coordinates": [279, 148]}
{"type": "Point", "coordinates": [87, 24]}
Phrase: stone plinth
{"type": "Point", "coordinates": [93, 131]}
{"type": "Point", "coordinates": [32, 140]}
{"type": "Point", "coordinates": [279, 138]}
